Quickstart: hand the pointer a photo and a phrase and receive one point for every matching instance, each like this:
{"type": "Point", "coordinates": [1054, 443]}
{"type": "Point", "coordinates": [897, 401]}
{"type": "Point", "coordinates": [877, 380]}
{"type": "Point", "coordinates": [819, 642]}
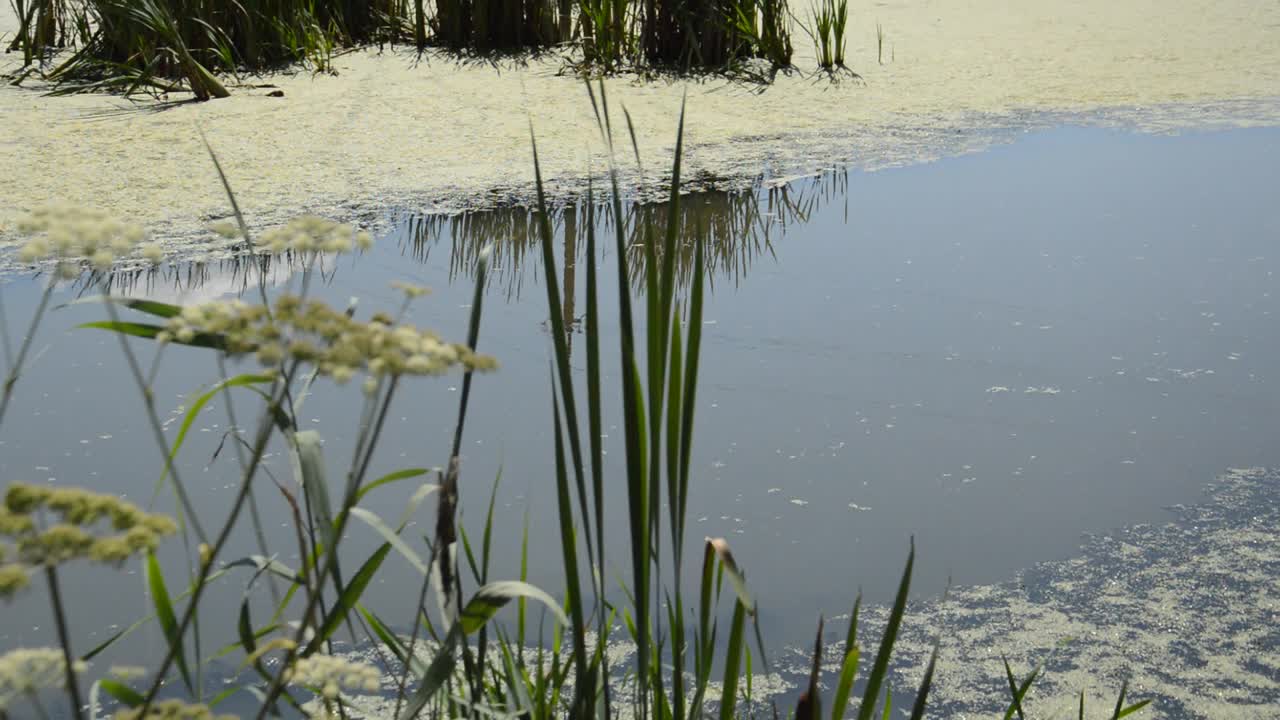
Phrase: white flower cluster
{"type": "Point", "coordinates": [330, 674]}
{"type": "Point", "coordinates": [315, 333]}
{"type": "Point", "coordinates": [29, 670]}
{"type": "Point", "coordinates": [311, 234]}
{"type": "Point", "coordinates": [69, 234]}
{"type": "Point", "coordinates": [172, 710]}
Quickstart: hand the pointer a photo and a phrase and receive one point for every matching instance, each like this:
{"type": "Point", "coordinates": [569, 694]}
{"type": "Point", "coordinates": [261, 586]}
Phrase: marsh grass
{"type": "Point", "coordinates": [159, 46]}
{"type": "Point", "coordinates": [455, 661]}
{"type": "Point", "coordinates": [829, 19]}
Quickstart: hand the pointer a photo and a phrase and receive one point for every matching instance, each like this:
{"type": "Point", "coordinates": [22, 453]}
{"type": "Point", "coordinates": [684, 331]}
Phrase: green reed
{"type": "Point", "coordinates": [159, 46]}
{"type": "Point", "coordinates": [829, 19]}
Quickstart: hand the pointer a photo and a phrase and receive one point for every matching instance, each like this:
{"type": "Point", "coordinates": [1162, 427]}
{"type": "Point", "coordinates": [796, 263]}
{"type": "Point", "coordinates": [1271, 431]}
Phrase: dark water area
{"type": "Point", "coordinates": [992, 353]}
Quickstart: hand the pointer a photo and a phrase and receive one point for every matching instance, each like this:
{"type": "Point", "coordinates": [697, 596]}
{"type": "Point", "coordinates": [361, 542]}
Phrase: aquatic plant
{"type": "Point", "coordinates": [160, 46]}
{"type": "Point", "coordinates": [455, 661]}
{"type": "Point", "coordinates": [829, 18]}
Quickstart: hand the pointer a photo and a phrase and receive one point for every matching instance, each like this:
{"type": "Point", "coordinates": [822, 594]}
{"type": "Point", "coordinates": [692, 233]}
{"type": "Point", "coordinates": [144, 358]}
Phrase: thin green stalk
{"type": "Point", "coordinates": [255, 458]}
{"type": "Point", "coordinates": [157, 429]}
{"type": "Point", "coordinates": [64, 639]}
{"type": "Point", "coordinates": [277, 684]}
{"type": "Point", "coordinates": [15, 368]}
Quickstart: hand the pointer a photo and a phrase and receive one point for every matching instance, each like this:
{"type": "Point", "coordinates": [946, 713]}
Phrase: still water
{"type": "Point", "coordinates": [992, 353]}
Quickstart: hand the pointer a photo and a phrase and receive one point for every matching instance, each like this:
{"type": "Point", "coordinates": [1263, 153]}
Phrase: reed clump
{"type": "Point", "coordinates": [195, 45]}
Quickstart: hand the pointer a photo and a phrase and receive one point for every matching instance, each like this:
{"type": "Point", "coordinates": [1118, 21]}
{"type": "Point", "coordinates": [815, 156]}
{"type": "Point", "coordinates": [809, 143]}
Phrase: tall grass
{"type": "Point", "coordinates": [454, 661]}
{"type": "Point", "coordinates": [162, 45]}
{"type": "Point", "coordinates": [829, 19]}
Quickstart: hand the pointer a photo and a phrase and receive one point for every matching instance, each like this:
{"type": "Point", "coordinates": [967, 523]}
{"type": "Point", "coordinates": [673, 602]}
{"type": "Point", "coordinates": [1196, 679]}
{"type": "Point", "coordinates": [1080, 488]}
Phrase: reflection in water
{"type": "Point", "coordinates": [738, 227]}
{"type": "Point", "coordinates": [198, 281]}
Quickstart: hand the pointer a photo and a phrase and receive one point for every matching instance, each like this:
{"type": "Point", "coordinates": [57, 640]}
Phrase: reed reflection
{"type": "Point", "coordinates": [739, 228]}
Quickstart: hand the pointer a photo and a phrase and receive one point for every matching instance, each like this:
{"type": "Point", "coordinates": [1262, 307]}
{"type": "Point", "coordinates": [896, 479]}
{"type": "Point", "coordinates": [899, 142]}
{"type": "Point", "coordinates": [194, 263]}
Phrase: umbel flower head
{"type": "Point", "coordinates": [68, 235]}
{"type": "Point", "coordinates": [171, 710]}
{"type": "Point", "coordinates": [75, 515]}
{"type": "Point", "coordinates": [30, 670]}
{"type": "Point", "coordinates": [330, 674]}
{"type": "Point", "coordinates": [314, 333]}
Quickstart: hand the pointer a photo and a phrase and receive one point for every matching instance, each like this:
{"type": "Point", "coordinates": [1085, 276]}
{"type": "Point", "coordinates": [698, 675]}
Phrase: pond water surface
{"type": "Point", "coordinates": [992, 353]}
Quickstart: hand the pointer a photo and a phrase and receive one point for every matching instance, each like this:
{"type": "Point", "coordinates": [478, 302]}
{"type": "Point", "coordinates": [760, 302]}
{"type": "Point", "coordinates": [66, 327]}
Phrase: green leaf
{"type": "Point", "coordinates": [922, 696]}
{"type": "Point", "coordinates": [848, 670]}
{"type": "Point", "coordinates": [438, 672]}
{"type": "Point", "coordinates": [148, 331]}
{"type": "Point", "coordinates": [150, 307]}
{"type": "Point", "coordinates": [736, 576]}
{"type": "Point", "coordinates": [1021, 691]}
{"type": "Point", "coordinates": [881, 665]}
{"type": "Point", "coordinates": [121, 692]}
{"type": "Point", "coordinates": [307, 455]}
{"type": "Point", "coordinates": [1133, 708]}
{"type": "Point", "coordinates": [388, 479]}
{"type": "Point", "coordinates": [488, 600]}
{"type": "Point", "coordinates": [392, 642]}
{"type": "Point", "coordinates": [732, 662]}
{"type": "Point", "coordinates": [198, 405]}
{"type": "Point", "coordinates": [350, 596]}
{"type": "Point", "coordinates": [164, 612]}
{"type": "Point", "coordinates": [392, 538]}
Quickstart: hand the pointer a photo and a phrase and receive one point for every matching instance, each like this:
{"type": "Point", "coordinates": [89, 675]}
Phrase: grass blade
{"type": "Point", "coordinates": [881, 665]}
{"type": "Point", "coordinates": [922, 695]}
{"type": "Point", "coordinates": [349, 597]}
{"type": "Point", "coordinates": [164, 613]}
{"type": "Point", "coordinates": [488, 600]}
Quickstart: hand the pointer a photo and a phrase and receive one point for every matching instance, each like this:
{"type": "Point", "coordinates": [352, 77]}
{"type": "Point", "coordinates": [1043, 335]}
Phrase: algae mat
{"type": "Point", "coordinates": [393, 129]}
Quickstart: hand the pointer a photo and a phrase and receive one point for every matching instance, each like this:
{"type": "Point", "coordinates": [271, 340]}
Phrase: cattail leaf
{"type": "Point", "coordinates": [122, 693]}
{"type": "Point", "coordinates": [881, 665]}
{"type": "Point", "coordinates": [350, 596]}
{"type": "Point", "coordinates": [488, 600]}
{"type": "Point", "coordinates": [150, 307]}
{"type": "Point", "coordinates": [436, 675]}
{"type": "Point", "coordinates": [306, 453]}
{"type": "Point", "coordinates": [389, 478]}
{"type": "Point", "coordinates": [410, 507]}
{"type": "Point", "coordinates": [848, 671]}
{"type": "Point", "coordinates": [736, 576]}
{"type": "Point", "coordinates": [1133, 708]}
{"type": "Point", "coordinates": [922, 695]}
{"type": "Point", "coordinates": [198, 404]}
{"type": "Point", "coordinates": [732, 663]}
{"type": "Point", "coordinates": [810, 705]}
{"type": "Point", "coordinates": [149, 331]}
{"type": "Point", "coordinates": [392, 538]}
{"type": "Point", "coordinates": [1021, 692]}
{"type": "Point", "coordinates": [164, 613]}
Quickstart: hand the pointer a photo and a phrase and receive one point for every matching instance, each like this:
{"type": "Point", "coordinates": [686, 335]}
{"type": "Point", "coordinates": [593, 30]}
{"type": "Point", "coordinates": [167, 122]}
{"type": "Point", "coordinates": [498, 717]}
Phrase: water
{"type": "Point", "coordinates": [992, 354]}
